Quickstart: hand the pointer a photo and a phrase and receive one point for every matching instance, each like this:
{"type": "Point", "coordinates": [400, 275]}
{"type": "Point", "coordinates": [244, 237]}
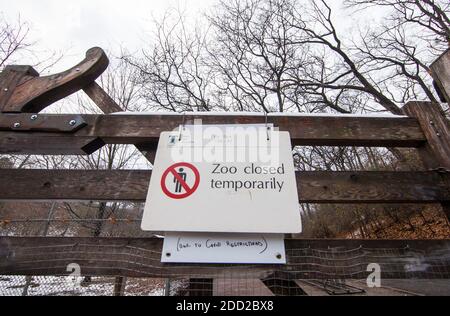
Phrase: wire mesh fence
{"type": "Point", "coordinates": [115, 257]}
{"type": "Point", "coordinates": [110, 286]}
{"type": "Point", "coordinates": [93, 286]}
{"type": "Point", "coordinates": [126, 266]}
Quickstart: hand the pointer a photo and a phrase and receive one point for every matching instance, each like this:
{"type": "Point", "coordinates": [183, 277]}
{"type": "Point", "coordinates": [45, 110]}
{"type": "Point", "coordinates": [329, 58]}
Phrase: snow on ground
{"type": "Point", "coordinates": [54, 286]}
{"type": "Point", "coordinates": [69, 286]}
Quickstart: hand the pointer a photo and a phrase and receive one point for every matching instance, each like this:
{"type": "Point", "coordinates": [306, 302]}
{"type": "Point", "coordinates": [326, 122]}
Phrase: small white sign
{"type": "Point", "coordinates": [223, 248]}
{"type": "Point", "coordinates": [231, 179]}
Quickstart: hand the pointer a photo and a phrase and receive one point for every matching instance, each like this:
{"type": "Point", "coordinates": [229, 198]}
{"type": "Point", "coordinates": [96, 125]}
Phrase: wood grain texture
{"type": "Point", "coordinates": [307, 259]}
{"type": "Point", "coordinates": [435, 126]}
{"type": "Point", "coordinates": [18, 143]}
{"type": "Point", "coordinates": [10, 78]}
{"type": "Point", "coordinates": [34, 95]}
{"type": "Point", "coordinates": [304, 130]}
{"type": "Point", "coordinates": [313, 187]}
{"type": "Point", "coordinates": [440, 71]}
{"type": "Point", "coordinates": [101, 98]}
{"type": "Point", "coordinates": [109, 106]}
{"type": "Point", "coordinates": [144, 130]}
{"type": "Point", "coordinates": [373, 187]}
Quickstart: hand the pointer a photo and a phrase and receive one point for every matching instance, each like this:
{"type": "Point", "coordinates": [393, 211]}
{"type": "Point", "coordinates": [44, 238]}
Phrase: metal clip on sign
{"type": "Point", "coordinates": [182, 126]}
{"type": "Point", "coordinates": [267, 126]}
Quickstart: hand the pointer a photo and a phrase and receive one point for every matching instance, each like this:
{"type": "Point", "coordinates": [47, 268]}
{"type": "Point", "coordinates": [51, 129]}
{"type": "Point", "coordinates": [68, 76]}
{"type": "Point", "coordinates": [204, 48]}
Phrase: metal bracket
{"type": "Point", "coordinates": [41, 123]}
{"type": "Point", "coordinates": [182, 127]}
{"type": "Point", "coordinates": [268, 129]}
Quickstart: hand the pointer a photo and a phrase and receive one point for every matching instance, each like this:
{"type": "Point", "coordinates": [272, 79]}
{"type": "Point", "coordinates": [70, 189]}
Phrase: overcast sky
{"type": "Point", "coordinates": [72, 27]}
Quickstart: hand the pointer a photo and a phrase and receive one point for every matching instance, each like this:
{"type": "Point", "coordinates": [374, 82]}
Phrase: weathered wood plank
{"type": "Point", "coordinates": [436, 152]}
{"type": "Point", "coordinates": [101, 98]}
{"type": "Point", "coordinates": [435, 126]}
{"type": "Point", "coordinates": [304, 130]}
{"type": "Point", "coordinates": [10, 78]}
{"type": "Point", "coordinates": [373, 187]}
{"type": "Point", "coordinates": [313, 187]}
{"type": "Point", "coordinates": [109, 106]}
{"type": "Point", "coordinates": [440, 71]}
{"type": "Point", "coordinates": [18, 143]}
{"type": "Point", "coordinates": [145, 130]}
{"type": "Point", "coordinates": [307, 259]}
{"type": "Point", "coordinates": [36, 94]}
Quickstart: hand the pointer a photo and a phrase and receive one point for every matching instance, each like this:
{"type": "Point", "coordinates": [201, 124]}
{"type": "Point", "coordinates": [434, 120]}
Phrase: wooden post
{"type": "Point", "coordinates": [167, 287]}
{"type": "Point", "coordinates": [119, 286]}
{"type": "Point", "coordinates": [440, 71]}
{"type": "Point", "coordinates": [435, 126]}
{"type": "Point", "coordinates": [435, 153]}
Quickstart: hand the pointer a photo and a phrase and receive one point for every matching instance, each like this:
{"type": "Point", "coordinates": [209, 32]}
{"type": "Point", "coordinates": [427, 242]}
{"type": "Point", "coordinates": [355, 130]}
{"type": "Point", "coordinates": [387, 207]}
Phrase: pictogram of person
{"type": "Point", "coordinates": [178, 185]}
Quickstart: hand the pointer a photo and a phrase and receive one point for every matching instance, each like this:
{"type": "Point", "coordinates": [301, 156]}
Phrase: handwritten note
{"type": "Point", "coordinates": [224, 248]}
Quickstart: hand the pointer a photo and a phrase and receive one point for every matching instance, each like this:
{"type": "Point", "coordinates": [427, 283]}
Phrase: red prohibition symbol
{"type": "Point", "coordinates": [176, 172]}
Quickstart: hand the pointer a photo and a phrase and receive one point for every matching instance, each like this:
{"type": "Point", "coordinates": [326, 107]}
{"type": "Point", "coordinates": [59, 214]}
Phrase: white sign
{"type": "Point", "coordinates": [223, 248]}
{"type": "Point", "coordinates": [216, 179]}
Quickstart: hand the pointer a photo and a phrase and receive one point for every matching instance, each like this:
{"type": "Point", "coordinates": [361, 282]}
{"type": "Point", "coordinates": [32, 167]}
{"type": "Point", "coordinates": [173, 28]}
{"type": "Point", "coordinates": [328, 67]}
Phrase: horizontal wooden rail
{"type": "Point", "coordinates": [50, 144]}
{"type": "Point", "coordinates": [313, 187]}
{"type": "Point", "coordinates": [146, 129]}
{"type": "Point", "coordinates": [307, 259]}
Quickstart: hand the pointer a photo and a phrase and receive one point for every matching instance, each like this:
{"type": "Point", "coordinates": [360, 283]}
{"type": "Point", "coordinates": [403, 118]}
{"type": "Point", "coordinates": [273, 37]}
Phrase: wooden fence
{"type": "Point", "coordinates": [24, 131]}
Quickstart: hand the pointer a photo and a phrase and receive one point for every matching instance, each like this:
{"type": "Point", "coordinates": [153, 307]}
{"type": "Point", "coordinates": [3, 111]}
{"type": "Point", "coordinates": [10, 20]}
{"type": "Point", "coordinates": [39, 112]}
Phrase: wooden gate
{"type": "Point", "coordinates": [24, 131]}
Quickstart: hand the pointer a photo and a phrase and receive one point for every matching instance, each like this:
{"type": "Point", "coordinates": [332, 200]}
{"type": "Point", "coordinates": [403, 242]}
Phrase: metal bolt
{"type": "Point", "coordinates": [72, 123]}
{"type": "Point", "coordinates": [431, 122]}
{"type": "Point", "coordinates": [33, 117]}
{"type": "Point", "coordinates": [17, 125]}
{"type": "Point", "coordinates": [78, 69]}
{"type": "Point", "coordinates": [168, 255]}
{"type": "Point", "coordinates": [6, 89]}
{"type": "Point", "coordinates": [279, 256]}
{"type": "Point", "coordinates": [438, 134]}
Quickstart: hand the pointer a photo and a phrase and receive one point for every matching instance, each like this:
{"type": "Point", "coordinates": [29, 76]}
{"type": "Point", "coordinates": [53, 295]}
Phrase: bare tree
{"type": "Point", "coordinates": [173, 74]}
{"type": "Point", "coordinates": [431, 16]}
{"type": "Point", "coordinates": [300, 44]}
{"type": "Point", "coordinates": [293, 51]}
{"type": "Point", "coordinates": [16, 45]}
{"type": "Point", "coordinates": [252, 53]}
{"type": "Point", "coordinates": [13, 40]}
{"type": "Point", "coordinates": [295, 56]}
{"type": "Point", "coordinates": [407, 41]}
